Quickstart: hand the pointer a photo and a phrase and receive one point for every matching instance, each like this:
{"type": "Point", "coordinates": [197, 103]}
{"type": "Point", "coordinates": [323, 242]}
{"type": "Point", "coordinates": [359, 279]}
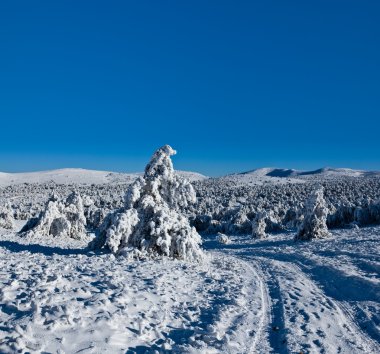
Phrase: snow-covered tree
{"type": "Point", "coordinates": [259, 225]}
{"type": "Point", "coordinates": [61, 218]}
{"type": "Point", "coordinates": [6, 216]}
{"type": "Point", "coordinates": [314, 222]}
{"type": "Point", "coordinates": [222, 238]}
{"type": "Point", "coordinates": [151, 220]}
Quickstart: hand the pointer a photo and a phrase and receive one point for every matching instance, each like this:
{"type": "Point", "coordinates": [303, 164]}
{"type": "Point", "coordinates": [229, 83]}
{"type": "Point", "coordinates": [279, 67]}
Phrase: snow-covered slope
{"type": "Point", "coordinates": [258, 176]}
{"type": "Point", "coordinates": [284, 175]}
{"type": "Point", "coordinates": [325, 171]}
{"type": "Point", "coordinates": [78, 176]}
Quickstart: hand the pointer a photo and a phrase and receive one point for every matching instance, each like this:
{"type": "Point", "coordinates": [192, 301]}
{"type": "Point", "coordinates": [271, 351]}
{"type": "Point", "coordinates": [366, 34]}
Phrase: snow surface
{"type": "Point", "coordinates": [248, 296]}
{"type": "Point", "coordinates": [269, 295]}
{"type": "Point", "coordinates": [57, 297]}
{"type": "Point", "coordinates": [258, 176]}
{"type": "Point", "coordinates": [79, 176]}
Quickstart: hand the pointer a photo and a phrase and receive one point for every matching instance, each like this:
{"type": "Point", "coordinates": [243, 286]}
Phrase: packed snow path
{"type": "Point", "coordinates": [323, 296]}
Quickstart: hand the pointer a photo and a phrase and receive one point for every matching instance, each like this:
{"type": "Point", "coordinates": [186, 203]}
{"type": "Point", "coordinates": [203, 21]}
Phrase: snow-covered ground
{"type": "Point", "coordinates": [272, 295]}
{"type": "Point", "coordinates": [57, 297]}
{"type": "Point", "coordinates": [321, 296]}
{"type": "Point", "coordinates": [254, 177]}
{"type": "Point", "coordinates": [245, 296]}
{"type": "Point", "coordinates": [79, 176]}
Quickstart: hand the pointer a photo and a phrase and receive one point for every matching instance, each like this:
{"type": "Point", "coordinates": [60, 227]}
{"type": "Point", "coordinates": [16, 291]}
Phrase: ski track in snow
{"type": "Point", "coordinates": [264, 296]}
{"type": "Point", "coordinates": [324, 296]}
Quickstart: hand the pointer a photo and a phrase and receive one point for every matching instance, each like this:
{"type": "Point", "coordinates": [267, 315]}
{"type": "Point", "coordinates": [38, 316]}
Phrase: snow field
{"type": "Point", "coordinates": [60, 299]}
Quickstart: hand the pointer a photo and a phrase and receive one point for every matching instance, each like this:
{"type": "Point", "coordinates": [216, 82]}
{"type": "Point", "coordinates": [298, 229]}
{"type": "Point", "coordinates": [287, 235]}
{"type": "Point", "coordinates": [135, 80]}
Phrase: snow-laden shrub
{"type": "Point", "coordinates": [239, 222]}
{"type": "Point", "coordinates": [59, 219]}
{"type": "Point", "coordinates": [375, 211]}
{"type": "Point", "coordinates": [314, 223]}
{"type": "Point", "coordinates": [259, 225]}
{"type": "Point", "coordinates": [95, 216]}
{"type": "Point", "coordinates": [222, 238]}
{"type": "Point", "coordinates": [6, 216]}
{"type": "Point", "coordinates": [151, 220]}
{"type": "Point", "coordinates": [292, 219]}
{"type": "Point", "coordinates": [201, 222]}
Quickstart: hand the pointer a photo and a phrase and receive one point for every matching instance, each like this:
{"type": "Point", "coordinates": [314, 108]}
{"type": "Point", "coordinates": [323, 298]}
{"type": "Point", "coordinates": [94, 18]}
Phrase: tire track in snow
{"type": "Point", "coordinates": [244, 323]}
{"type": "Point", "coordinates": [314, 323]}
{"type": "Point", "coordinates": [273, 317]}
{"type": "Point", "coordinates": [303, 318]}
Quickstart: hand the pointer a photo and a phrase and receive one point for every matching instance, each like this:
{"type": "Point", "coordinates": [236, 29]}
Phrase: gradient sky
{"type": "Point", "coordinates": [232, 85]}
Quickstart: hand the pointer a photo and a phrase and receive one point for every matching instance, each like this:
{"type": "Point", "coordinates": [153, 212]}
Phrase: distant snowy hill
{"type": "Point", "coordinates": [258, 176]}
{"type": "Point", "coordinates": [326, 171]}
{"type": "Point", "coordinates": [283, 175]}
{"type": "Point", "coordinates": [79, 176]}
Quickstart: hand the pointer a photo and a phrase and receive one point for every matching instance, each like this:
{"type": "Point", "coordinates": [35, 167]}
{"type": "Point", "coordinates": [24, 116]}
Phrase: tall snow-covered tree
{"type": "Point", "coordinates": [314, 222]}
{"type": "Point", "coordinates": [151, 220]}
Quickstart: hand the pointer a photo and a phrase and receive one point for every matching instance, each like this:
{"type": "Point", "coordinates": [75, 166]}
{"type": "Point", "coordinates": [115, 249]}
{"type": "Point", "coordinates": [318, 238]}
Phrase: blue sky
{"type": "Point", "coordinates": [232, 85]}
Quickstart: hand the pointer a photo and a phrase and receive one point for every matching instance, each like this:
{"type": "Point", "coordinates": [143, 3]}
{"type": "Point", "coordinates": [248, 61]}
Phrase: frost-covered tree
{"type": "Point", "coordinates": [151, 220]}
{"type": "Point", "coordinates": [61, 218]}
{"type": "Point", "coordinates": [314, 222]}
{"type": "Point", "coordinates": [259, 225]}
{"type": "Point", "coordinates": [222, 238]}
{"type": "Point", "coordinates": [6, 216]}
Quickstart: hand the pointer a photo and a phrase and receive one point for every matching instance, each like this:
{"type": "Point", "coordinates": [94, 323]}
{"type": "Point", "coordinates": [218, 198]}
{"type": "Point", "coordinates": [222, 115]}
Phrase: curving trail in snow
{"type": "Point", "coordinates": [323, 296]}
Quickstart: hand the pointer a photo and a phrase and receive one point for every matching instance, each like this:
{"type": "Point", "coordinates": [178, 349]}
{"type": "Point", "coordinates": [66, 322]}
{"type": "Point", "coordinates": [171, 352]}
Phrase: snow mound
{"type": "Point", "coordinates": [151, 220]}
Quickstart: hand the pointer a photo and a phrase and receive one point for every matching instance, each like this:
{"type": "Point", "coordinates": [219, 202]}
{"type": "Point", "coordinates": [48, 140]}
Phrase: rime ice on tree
{"type": "Point", "coordinates": [151, 220]}
{"type": "Point", "coordinates": [6, 216]}
{"type": "Point", "coordinates": [259, 225]}
{"type": "Point", "coordinates": [59, 219]}
{"type": "Point", "coordinates": [314, 222]}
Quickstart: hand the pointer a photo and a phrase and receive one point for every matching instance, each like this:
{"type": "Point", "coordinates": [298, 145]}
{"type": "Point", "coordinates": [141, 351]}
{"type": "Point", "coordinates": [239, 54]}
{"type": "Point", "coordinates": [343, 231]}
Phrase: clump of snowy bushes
{"type": "Point", "coordinates": [6, 216]}
{"type": "Point", "coordinates": [222, 205]}
{"type": "Point", "coordinates": [314, 222]}
{"type": "Point", "coordinates": [151, 221]}
{"type": "Point", "coordinates": [60, 218]}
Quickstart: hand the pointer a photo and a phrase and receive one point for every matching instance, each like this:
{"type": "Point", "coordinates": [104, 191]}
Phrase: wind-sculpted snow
{"type": "Point", "coordinates": [151, 221]}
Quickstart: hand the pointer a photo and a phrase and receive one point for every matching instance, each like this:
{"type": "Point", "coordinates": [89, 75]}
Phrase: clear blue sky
{"type": "Point", "coordinates": [232, 85]}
